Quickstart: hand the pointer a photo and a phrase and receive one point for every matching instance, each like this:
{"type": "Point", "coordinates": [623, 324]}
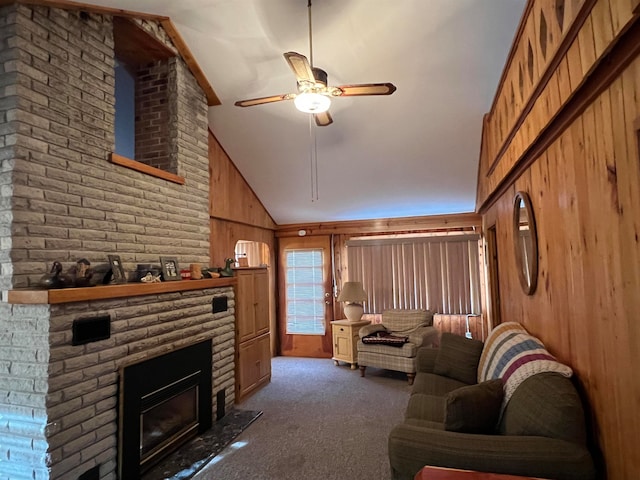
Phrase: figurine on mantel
{"type": "Point", "coordinates": [79, 275]}
{"type": "Point", "coordinates": [150, 278]}
{"type": "Point", "coordinates": [53, 279]}
{"type": "Point", "coordinates": [83, 273]}
{"type": "Point", "coordinates": [227, 271]}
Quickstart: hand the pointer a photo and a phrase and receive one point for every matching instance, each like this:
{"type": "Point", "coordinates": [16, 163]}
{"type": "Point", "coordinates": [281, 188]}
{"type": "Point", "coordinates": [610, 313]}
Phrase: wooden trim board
{"type": "Point", "coordinates": [103, 292]}
{"type": "Point", "coordinates": [144, 168]}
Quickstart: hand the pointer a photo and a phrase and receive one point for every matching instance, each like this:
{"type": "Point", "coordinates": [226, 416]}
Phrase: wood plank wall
{"type": "Point", "coordinates": [457, 324]}
{"type": "Point", "coordinates": [236, 213]}
{"type": "Point", "coordinates": [576, 153]}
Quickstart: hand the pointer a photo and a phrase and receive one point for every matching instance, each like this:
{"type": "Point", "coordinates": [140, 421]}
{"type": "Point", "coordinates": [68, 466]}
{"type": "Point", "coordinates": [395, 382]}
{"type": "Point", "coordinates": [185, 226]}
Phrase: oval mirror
{"type": "Point", "coordinates": [525, 242]}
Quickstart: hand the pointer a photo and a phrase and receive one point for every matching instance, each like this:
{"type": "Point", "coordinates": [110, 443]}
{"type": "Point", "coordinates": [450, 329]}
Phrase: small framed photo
{"type": "Point", "coordinates": [170, 270]}
{"type": "Point", "coordinates": [117, 270]}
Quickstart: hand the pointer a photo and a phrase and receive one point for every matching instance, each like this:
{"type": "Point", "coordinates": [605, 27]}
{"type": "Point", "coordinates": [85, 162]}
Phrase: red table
{"type": "Point", "coordinates": [441, 473]}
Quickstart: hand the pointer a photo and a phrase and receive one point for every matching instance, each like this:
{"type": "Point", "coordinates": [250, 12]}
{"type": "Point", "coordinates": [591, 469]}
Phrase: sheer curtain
{"type": "Point", "coordinates": [441, 274]}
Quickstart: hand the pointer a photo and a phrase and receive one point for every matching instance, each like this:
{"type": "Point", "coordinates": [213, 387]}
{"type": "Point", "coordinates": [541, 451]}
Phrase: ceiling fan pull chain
{"type": "Point", "coordinates": [313, 160]}
{"type": "Point", "coordinates": [310, 37]}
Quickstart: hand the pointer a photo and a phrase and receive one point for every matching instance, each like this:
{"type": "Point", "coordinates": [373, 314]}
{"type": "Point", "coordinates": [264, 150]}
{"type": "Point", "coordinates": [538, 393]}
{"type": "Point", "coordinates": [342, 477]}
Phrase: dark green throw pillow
{"type": "Point", "coordinates": [474, 409]}
{"type": "Point", "coordinates": [458, 358]}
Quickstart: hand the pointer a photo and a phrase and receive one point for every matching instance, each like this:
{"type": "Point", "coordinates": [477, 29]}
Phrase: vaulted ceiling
{"type": "Point", "coordinates": [408, 154]}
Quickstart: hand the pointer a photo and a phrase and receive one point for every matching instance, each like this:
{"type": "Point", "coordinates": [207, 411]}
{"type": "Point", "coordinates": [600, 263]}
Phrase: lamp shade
{"type": "Point", "coordinates": [310, 102]}
{"type": "Point", "coordinates": [352, 292]}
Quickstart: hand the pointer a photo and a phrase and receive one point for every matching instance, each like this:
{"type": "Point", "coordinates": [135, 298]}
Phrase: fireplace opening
{"type": "Point", "coordinates": [165, 401]}
{"type": "Point", "coordinates": [167, 418]}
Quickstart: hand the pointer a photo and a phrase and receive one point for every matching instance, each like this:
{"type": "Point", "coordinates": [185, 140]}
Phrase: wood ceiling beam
{"type": "Point", "coordinates": [385, 225]}
{"type": "Point", "coordinates": [185, 52]}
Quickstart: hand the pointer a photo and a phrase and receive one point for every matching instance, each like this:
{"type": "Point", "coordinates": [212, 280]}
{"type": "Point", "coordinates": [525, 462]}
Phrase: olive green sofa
{"type": "Point", "coordinates": [532, 424]}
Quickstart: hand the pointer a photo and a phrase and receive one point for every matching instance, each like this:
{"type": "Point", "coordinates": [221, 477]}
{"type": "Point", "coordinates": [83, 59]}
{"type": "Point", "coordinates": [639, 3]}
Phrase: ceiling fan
{"type": "Point", "coordinates": [314, 94]}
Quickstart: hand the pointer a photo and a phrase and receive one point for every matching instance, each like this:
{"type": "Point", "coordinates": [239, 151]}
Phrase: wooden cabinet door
{"type": "Point", "coordinates": [245, 306]}
{"type": "Point", "coordinates": [247, 373]}
{"type": "Point", "coordinates": [254, 364]}
{"type": "Point", "coordinates": [341, 343]}
{"type": "Point", "coordinates": [263, 353]}
{"type": "Point", "coordinates": [261, 301]}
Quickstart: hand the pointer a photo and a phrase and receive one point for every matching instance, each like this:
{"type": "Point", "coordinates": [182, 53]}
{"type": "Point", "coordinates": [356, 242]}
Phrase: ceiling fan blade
{"type": "Point", "coordinates": [301, 67]}
{"type": "Point", "coordinates": [262, 100]}
{"type": "Point", "coordinates": [323, 119]}
{"type": "Point", "coordinates": [366, 89]}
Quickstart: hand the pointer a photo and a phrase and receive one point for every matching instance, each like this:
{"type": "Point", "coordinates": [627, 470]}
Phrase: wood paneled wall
{"type": "Point", "coordinates": [235, 211]}
{"type": "Point", "coordinates": [230, 196]}
{"type": "Point", "coordinates": [235, 214]}
{"type": "Point", "coordinates": [457, 324]}
{"type": "Point", "coordinates": [577, 157]}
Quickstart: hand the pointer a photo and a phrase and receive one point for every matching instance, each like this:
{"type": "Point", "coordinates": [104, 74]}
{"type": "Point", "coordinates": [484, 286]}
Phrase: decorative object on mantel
{"type": "Point", "coordinates": [116, 275]}
{"type": "Point", "coordinates": [353, 294]}
{"type": "Point", "coordinates": [170, 269]}
{"type": "Point", "coordinates": [227, 271]}
{"type": "Point", "coordinates": [211, 272]}
{"type": "Point", "coordinates": [150, 278]}
{"type": "Point", "coordinates": [55, 277]}
{"type": "Point", "coordinates": [83, 273]}
{"type": "Point", "coordinates": [148, 272]}
{"type": "Point", "coordinates": [196, 271]}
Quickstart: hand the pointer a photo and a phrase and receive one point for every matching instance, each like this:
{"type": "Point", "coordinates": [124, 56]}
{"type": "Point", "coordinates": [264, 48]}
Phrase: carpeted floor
{"type": "Point", "coordinates": [319, 422]}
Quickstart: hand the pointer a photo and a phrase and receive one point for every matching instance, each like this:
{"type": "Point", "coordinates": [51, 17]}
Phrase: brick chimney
{"type": "Point", "coordinates": [61, 199]}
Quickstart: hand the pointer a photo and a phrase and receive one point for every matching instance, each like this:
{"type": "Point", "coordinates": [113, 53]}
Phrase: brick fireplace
{"type": "Point", "coordinates": [62, 199]}
{"type": "Point", "coordinates": [62, 418]}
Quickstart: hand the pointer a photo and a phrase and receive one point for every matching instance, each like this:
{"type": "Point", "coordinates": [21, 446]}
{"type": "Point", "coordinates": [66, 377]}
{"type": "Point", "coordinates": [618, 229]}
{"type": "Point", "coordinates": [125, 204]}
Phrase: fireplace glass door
{"type": "Point", "coordinates": [167, 417]}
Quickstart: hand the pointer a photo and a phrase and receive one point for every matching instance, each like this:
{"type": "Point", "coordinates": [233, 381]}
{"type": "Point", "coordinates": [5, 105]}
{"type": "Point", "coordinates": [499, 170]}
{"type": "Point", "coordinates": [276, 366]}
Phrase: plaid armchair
{"type": "Point", "coordinates": [416, 326]}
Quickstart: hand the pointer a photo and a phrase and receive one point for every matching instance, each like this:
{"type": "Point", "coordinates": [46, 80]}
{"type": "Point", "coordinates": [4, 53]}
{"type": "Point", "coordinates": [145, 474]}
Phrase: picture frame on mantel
{"type": "Point", "coordinates": [117, 270]}
{"type": "Point", "coordinates": [170, 269]}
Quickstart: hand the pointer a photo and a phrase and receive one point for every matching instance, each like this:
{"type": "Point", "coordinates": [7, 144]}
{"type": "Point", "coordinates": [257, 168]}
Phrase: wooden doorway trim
{"type": "Point", "coordinates": [315, 346]}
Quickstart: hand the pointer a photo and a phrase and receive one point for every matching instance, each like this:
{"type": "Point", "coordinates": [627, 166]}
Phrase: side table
{"type": "Point", "coordinates": [345, 340]}
{"type": "Point", "coordinates": [442, 473]}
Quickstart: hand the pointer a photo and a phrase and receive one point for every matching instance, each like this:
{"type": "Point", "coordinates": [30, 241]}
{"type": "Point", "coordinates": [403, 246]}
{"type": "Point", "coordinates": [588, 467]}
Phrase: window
{"type": "Point", "coordinates": [441, 274]}
{"type": "Point", "coordinates": [304, 292]}
{"type": "Point", "coordinates": [145, 118]}
{"type": "Point", "coordinates": [125, 111]}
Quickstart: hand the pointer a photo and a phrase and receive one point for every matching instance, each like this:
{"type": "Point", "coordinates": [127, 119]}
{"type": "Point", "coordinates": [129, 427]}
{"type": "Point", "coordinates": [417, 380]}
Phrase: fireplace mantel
{"type": "Point", "coordinates": [102, 292]}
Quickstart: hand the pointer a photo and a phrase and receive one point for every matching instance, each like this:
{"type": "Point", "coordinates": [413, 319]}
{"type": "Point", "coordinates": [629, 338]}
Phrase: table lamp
{"type": "Point", "coordinates": [353, 295]}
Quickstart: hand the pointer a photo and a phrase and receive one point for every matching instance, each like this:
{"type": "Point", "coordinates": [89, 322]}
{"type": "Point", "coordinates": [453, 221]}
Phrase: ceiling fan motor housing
{"type": "Point", "coordinates": [320, 76]}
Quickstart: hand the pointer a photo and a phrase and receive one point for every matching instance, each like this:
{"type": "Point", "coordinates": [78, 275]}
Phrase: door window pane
{"type": "Point", "coordinates": [305, 292]}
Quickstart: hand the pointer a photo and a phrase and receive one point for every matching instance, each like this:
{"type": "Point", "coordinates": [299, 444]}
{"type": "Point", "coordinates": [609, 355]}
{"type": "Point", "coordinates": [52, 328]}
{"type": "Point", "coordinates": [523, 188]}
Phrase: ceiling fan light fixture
{"type": "Point", "coordinates": [310, 102]}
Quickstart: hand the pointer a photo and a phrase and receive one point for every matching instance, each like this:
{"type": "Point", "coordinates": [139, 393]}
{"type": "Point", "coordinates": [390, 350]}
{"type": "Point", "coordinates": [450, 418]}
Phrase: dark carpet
{"type": "Point", "coordinates": [319, 422]}
{"type": "Point", "coordinates": [185, 462]}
